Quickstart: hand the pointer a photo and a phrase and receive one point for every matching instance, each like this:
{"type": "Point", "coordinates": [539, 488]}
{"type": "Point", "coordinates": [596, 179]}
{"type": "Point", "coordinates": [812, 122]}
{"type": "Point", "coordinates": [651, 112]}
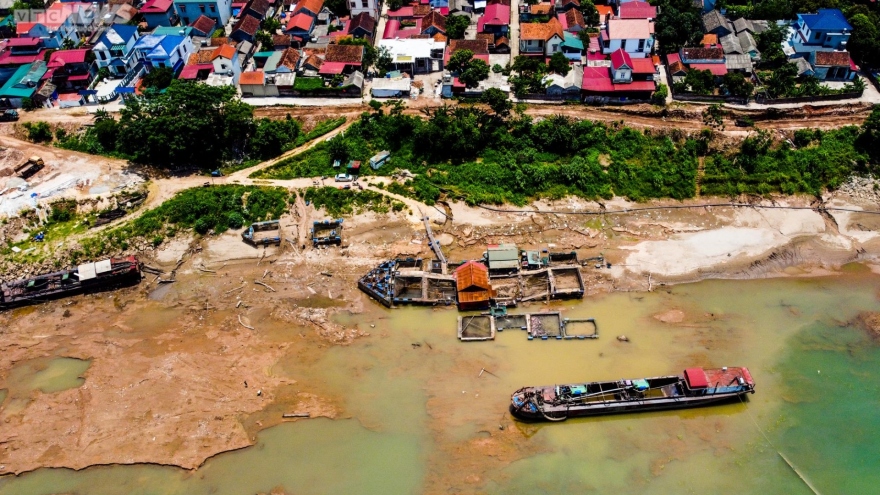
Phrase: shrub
{"type": "Point", "coordinates": [38, 132]}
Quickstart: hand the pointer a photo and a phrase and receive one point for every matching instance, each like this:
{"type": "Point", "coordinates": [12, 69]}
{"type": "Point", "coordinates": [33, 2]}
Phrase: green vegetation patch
{"type": "Point", "coordinates": [308, 83]}
{"type": "Point", "coordinates": [216, 208]}
{"type": "Point", "coordinates": [348, 201]}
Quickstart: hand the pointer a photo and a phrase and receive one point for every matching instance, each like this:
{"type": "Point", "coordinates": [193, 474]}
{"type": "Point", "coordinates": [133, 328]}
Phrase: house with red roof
{"type": "Point", "coordinates": [300, 26]}
{"type": "Point", "coordinates": [341, 59]}
{"type": "Point", "coordinates": [543, 39]}
{"type": "Point", "coordinates": [572, 21]}
{"type": "Point", "coordinates": [57, 23]}
{"type": "Point", "coordinates": [495, 20]}
{"type": "Point", "coordinates": [634, 36]}
{"type": "Point", "coordinates": [245, 28]}
{"type": "Point", "coordinates": [204, 26]}
{"type": "Point", "coordinates": [159, 13]}
{"type": "Point", "coordinates": [433, 23]}
{"type": "Point", "coordinates": [18, 51]}
{"type": "Point", "coordinates": [70, 70]}
{"type": "Point", "coordinates": [627, 77]}
{"type": "Point", "coordinates": [362, 25]}
{"type": "Point", "coordinates": [636, 10]}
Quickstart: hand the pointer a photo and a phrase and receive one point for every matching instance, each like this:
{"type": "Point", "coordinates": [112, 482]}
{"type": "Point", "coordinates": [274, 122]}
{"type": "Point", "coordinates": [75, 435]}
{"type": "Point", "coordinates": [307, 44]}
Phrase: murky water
{"type": "Point", "coordinates": [47, 375]}
{"type": "Point", "coordinates": [423, 418]}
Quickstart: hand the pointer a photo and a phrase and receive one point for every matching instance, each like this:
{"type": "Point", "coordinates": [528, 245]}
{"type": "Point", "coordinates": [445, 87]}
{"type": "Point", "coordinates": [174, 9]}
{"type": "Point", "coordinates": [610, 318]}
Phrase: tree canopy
{"type": "Point", "coordinates": [678, 24]}
{"type": "Point", "coordinates": [456, 26]}
{"type": "Point", "coordinates": [559, 64]}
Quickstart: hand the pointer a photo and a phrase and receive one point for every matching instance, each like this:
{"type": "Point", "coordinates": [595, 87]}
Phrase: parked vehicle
{"type": "Point", "coordinates": [344, 178]}
{"type": "Point", "coordinates": [30, 166]}
{"type": "Point", "coordinates": [9, 116]}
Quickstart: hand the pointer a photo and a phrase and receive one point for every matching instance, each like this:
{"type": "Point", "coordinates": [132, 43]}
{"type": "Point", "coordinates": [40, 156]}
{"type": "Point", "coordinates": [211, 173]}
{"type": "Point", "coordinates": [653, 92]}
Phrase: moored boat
{"type": "Point", "coordinates": [86, 277]}
{"type": "Point", "coordinates": [694, 388]}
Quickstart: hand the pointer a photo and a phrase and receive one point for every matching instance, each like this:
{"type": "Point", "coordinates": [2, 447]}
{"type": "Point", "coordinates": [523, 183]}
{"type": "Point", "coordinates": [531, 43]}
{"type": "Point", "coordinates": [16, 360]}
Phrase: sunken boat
{"type": "Point", "coordinates": [88, 277]}
{"type": "Point", "coordinates": [695, 387]}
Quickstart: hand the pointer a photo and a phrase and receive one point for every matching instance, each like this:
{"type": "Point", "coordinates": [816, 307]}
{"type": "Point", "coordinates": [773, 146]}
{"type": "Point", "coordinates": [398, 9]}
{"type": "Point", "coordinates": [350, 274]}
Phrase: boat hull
{"type": "Point", "coordinates": [696, 387]}
{"type": "Point", "coordinates": [561, 413]}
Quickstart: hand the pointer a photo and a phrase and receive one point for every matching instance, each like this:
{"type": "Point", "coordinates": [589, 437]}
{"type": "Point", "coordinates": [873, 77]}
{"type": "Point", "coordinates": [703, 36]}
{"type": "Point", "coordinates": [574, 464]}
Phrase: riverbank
{"type": "Point", "coordinates": [183, 371]}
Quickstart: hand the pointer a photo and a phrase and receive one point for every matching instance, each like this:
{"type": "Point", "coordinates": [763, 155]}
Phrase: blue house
{"type": "Point", "coordinates": [163, 51]}
{"type": "Point", "coordinates": [115, 49]}
{"type": "Point", "coordinates": [190, 10]}
{"type": "Point", "coordinates": [159, 13]}
{"type": "Point", "coordinates": [826, 30]}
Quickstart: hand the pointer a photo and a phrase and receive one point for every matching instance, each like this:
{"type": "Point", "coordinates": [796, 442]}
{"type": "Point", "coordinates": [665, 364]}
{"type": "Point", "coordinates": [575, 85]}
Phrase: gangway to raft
{"type": "Point", "coordinates": [435, 245]}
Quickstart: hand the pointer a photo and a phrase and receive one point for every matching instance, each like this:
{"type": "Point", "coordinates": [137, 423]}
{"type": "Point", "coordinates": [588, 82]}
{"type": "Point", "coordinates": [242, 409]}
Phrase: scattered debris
{"type": "Point", "coordinates": [265, 285]}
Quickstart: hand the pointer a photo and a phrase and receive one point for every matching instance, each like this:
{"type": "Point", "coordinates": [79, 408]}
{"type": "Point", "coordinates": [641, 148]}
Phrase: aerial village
{"type": "Point", "coordinates": [274, 51]}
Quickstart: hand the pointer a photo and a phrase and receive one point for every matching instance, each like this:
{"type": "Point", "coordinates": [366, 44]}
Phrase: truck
{"type": "Point", "coordinates": [30, 167]}
{"type": "Point", "coordinates": [263, 233]}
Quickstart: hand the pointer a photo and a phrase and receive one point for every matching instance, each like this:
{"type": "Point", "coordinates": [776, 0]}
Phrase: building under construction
{"type": "Point", "coordinates": [405, 281]}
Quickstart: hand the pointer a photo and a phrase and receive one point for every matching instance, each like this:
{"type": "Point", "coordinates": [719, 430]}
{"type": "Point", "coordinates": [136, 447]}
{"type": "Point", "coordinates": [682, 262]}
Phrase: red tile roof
{"type": "Point", "coordinates": [574, 18]}
{"type": "Point", "coordinates": [715, 69]}
{"type": "Point", "coordinates": [301, 21]}
{"type": "Point", "coordinates": [434, 19]}
{"type": "Point", "coordinates": [64, 57]}
{"type": "Point", "coordinates": [252, 77]}
{"type": "Point", "coordinates": [290, 58]}
{"type": "Point", "coordinates": [363, 21]}
{"type": "Point", "coordinates": [313, 6]}
{"type": "Point", "coordinates": [349, 54]}
{"type": "Point", "coordinates": [541, 8]}
{"type": "Point", "coordinates": [619, 58]}
{"type": "Point", "coordinates": [247, 24]}
{"type": "Point", "coordinates": [314, 61]}
{"type": "Point", "coordinates": [543, 32]}
{"type": "Point", "coordinates": [156, 7]}
{"type": "Point", "coordinates": [204, 24]}
{"type": "Point", "coordinates": [421, 10]}
{"type": "Point", "coordinates": [479, 47]}
{"type": "Point", "coordinates": [832, 59]}
{"type": "Point", "coordinates": [637, 10]}
{"type": "Point", "coordinates": [225, 51]}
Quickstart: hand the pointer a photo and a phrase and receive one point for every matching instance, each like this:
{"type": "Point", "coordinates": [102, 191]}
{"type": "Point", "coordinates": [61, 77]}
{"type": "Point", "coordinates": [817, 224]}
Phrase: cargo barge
{"type": "Point", "coordinates": [88, 277]}
{"type": "Point", "coordinates": [696, 387]}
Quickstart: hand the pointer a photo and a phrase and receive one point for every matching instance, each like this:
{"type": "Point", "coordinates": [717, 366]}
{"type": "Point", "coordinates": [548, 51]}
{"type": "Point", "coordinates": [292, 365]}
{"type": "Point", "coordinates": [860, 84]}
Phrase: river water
{"type": "Point", "coordinates": [420, 417]}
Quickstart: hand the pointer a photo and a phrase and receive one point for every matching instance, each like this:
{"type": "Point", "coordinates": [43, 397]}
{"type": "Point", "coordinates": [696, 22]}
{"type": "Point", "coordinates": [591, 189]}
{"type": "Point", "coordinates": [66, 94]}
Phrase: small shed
{"type": "Point", "coordinates": [379, 160]}
{"type": "Point", "coordinates": [354, 167]}
{"type": "Point", "coordinates": [473, 287]}
{"type": "Point", "coordinates": [391, 88]}
{"type": "Point", "coordinates": [503, 258]}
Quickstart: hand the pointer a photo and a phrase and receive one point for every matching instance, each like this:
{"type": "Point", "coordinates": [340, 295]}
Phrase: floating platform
{"type": "Point", "coordinates": [548, 325]}
{"type": "Point", "coordinates": [327, 233]}
{"type": "Point", "coordinates": [402, 281]}
{"type": "Point", "coordinates": [476, 327]}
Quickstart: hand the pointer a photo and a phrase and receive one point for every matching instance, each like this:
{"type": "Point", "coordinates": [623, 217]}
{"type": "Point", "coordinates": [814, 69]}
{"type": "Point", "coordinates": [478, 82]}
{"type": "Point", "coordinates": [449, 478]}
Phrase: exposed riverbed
{"type": "Point", "coordinates": [417, 417]}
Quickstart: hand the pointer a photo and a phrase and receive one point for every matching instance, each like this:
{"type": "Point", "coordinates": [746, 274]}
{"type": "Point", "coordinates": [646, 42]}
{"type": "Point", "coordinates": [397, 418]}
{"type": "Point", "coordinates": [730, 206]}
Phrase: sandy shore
{"type": "Point", "coordinates": [177, 376]}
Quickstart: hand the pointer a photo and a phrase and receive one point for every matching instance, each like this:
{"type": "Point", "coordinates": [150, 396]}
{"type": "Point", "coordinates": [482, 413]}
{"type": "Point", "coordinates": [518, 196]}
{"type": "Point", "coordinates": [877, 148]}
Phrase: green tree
{"type": "Point", "coordinates": [271, 136]}
{"type": "Point", "coordinates": [265, 40]}
{"type": "Point", "coordinates": [770, 45]}
{"type": "Point", "coordinates": [456, 26]}
{"type": "Point", "coordinates": [864, 43]}
{"type": "Point", "coordinates": [559, 64]}
{"type": "Point", "coordinates": [106, 133]}
{"type": "Point", "coordinates": [272, 24]}
{"type": "Point", "coordinates": [497, 101]}
{"type": "Point", "coordinates": [383, 60]}
{"type": "Point", "coordinates": [476, 71]}
{"type": "Point", "coordinates": [869, 139]}
{"type": "Point", "coordinates": [700, 82]}
{"type": "Point", "coordinates": [782, 81]}
{"type": "Point", "coordinates": [158, 78]}
{"type": "Point", "coordinates": [737, 85]}
{"type": "Point", "coordinates": [395, 4]}
{"type": "Point", "coordinates": [68, 44]}
{"type": "Point", "coordinates": [591, 15]}
{"type": "Point", "coordinates": [659, 96]}
{"type": "Point", "coordinates": [678, 24]}
{"type": "Point", "coordinates": [188, 124]}
{"type": "Point", "coordinates": [38, 132]}
{"type": "Point", "coordinates": [458, 61]}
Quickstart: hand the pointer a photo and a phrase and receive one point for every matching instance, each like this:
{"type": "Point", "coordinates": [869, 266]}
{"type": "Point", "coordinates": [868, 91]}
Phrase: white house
{"type": "Point", "coordinates": [115, 49]}
{"type": "Point", "coordinates": [538, 38]}
{"type": "Point", "coordinates": [157, 51]}
{"type": "Point", "coordinates": [369, 6]}
{"type": "Point", "coordinates": [635, 36]}
{"type": "Point", "coordinates": [225, 62]}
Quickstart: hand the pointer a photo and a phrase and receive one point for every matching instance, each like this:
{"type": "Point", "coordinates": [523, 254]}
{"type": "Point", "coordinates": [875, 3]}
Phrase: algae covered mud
{"type": "Point", "coordinates": [418, 416]}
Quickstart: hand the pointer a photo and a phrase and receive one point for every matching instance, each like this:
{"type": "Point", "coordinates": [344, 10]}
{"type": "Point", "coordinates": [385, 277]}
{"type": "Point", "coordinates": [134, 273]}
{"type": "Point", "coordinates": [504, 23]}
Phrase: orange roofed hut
{"type": "Point", "coordinates": [472, 283]}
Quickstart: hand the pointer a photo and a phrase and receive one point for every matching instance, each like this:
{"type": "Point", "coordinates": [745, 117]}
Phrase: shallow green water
{"type": "Point", "coordinates": [816, 401]}
{"type": "Point", "coordinates": [47, 375]}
